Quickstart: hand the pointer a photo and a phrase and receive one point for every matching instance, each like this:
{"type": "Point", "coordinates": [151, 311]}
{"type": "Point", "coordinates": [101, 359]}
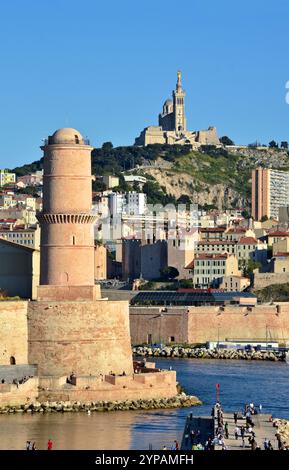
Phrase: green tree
{"type": "Point", "coordinates": [248, 267]}
{"type": "Point", "coordinates": [246, 214]}
{"type": "Point", "coordinates": [98, 185]}
{"type": "Point", "coordinates": [225, 140]}
{"type": "Point", "coordinates": [107, 146]}
{"type": "Point", "coordinates": [273, 144]}
{"type": "Point", "coordinates": [30, 190]}
{"type": "Point", "coordinates": [264, 218]}
{"type": "Point", "coordinates": [184, 199]}
{"type": "Point", "coordinates": [169, 273]}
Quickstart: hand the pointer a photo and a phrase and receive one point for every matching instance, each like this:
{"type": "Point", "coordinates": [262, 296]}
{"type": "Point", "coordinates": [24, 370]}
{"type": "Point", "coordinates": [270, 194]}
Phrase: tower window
{"type": "Point", "coordinates": [12, 361]}
{"type": "Point", "coordinates": [76, 139]}
{"type": "Point", "coordinates": [73, 239]}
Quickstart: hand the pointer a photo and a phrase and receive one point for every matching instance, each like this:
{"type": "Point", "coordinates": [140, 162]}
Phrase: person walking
{"type": "Point", "coordinates": [192, 435]}
{"type": "Point", "coordinates": [49, 444]}
{"type": "Point", "coordinates": [235, 418]}
{"type": "Point", "coordinates": [226, 428]}
{"type": "Point", "coordinates": [270, 447]}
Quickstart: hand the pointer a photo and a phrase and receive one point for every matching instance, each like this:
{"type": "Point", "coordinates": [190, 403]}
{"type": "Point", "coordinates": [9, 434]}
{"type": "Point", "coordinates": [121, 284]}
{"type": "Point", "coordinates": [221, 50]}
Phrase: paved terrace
{"type": "Point", "coordinates": [9, 373]}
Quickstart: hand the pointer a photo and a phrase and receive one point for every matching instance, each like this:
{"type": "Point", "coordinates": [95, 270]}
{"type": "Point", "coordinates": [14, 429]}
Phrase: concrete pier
{"type": "Point", "coordinates": [206, 427]}
{"type": "Point", "coordinates": [263, 428]}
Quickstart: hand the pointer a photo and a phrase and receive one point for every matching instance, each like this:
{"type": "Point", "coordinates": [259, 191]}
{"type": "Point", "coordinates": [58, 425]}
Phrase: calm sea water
{"type": "Point", "coordinates": [241, 382]}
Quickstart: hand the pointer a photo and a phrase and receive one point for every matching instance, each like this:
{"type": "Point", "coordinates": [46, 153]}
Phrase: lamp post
{"type": "Point", "coordinates": [160, 327]}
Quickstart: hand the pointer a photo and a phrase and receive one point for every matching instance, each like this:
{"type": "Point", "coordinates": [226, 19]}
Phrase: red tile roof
{"type": "Point", "coordinates": [208, 256]}
{"type": "Point", "coordinates": [190, 265]}
{"type": "Point", "coordinates": [212, 229]}
{"type": "Point", "coordinates": [217, 242]}
{"type": "Point", "coordinates": [248, 241]}
{"type": "Point", "coordinates": [278, 233]}
{"type": "Point", "coordinates": [237, 230]}
{"type": "Point", "coordinates": [281, 255]}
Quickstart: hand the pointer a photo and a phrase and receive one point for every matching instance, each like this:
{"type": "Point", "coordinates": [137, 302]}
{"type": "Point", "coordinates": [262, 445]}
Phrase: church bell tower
{"type": "Point", "coordinates": [179, 107]}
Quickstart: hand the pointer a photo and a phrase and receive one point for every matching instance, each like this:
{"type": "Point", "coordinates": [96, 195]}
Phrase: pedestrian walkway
{"type": "Point", "coordinates": [263, 429]}
{"type": "Point", "coordinates": [205, 428]}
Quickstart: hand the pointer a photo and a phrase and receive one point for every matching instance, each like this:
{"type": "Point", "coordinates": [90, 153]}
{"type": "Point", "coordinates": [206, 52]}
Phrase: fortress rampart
{"type": "Point", "coordinates": [209, 323]}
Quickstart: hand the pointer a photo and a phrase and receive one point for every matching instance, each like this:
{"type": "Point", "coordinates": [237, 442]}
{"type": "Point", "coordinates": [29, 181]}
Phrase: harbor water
{"type": "Point", "coordinates": [241, 382]}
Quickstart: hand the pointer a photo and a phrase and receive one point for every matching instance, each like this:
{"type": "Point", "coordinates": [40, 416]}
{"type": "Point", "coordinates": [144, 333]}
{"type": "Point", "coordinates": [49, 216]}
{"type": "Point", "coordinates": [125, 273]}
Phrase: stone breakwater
{"type": "Point", "coordinates": [179, 401]}
{"type": "Point", "coordinates": [282, 426]}
{"type": "Point", "coordinates": [202, 353]}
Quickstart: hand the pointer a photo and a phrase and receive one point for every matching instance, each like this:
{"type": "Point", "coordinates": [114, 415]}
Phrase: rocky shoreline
{"type": "Point", "coordinates": [282, 426]}
{"type": "Point", "coordinates": [202, 353]}
{"type": "Point", "coordinates": [179, 401]}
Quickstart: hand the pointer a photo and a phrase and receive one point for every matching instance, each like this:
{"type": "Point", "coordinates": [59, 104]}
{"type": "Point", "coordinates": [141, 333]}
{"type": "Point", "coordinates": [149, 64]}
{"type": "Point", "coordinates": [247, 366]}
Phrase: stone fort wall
{"type": "Point", "coordinates": [13, 332]}
{"type": "Point", "coordinates": [202, 324]}
{"type": "Point", "coordinates": [11, 395]}
{"type": "Point", "coordinates": [213, 323]}
{"type": "Point", "coordinates": [83, 337]}
{"type": "Point", "coordinates": [262, 280]}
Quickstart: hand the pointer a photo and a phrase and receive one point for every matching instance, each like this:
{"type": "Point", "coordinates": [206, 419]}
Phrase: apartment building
{"type": "Point", "coordinates": [270, 191]}
{"type": "Point", "coordinates": [209, 269]}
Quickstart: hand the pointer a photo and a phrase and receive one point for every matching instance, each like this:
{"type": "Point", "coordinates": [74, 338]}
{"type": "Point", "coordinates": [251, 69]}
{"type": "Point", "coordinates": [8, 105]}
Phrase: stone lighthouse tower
{"type": "Point", "coordinates": [67, 244]}
{"type": "Point", "coordinates": [70, 327]}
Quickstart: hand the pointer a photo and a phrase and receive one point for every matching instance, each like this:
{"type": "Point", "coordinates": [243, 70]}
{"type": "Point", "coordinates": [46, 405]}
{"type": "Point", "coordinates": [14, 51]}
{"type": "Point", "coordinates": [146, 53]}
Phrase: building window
{"type": "Point", "coordinates": [171, 339]}
{"type": "Point", "coordinates": [150, 338]}
{"type": "Point", "coordinates": [73, 239]}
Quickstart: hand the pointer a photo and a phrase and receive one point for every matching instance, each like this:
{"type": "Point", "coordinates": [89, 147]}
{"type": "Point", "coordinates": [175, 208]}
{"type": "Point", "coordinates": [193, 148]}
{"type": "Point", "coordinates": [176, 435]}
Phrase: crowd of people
{"type": "Point", "coordinates": [175, 446]}
{"type": "Point", "coordinates": [30, 445]}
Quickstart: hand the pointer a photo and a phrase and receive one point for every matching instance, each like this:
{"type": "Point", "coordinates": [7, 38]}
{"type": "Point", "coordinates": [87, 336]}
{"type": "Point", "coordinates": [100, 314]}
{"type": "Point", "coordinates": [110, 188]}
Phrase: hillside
{"type": "Point", "coordinates": [273, 293]}
{"type": "Point", "coordinates": [214, 177]}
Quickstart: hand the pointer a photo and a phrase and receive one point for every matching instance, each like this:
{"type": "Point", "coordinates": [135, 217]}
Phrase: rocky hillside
{"type": "Point", "coordinates": [211, 177]}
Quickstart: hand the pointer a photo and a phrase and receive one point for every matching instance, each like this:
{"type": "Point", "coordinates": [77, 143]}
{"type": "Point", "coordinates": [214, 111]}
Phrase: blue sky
{"type": "Point", "coordinates": [105, 68]}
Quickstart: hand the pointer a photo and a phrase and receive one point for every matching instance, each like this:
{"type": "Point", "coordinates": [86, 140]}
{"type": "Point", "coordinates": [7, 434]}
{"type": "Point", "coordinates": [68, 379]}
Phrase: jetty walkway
{"type": "Point", "coordinates": [201, 430]}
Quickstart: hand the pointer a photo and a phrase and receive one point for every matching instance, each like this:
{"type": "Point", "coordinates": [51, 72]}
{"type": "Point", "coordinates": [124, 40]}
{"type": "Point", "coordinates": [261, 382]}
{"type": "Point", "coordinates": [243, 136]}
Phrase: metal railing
{"type": "Point", "coordinates": [82, 141]}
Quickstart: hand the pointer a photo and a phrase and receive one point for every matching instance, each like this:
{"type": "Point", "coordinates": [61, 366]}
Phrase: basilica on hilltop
{"type": "Point", "coordinates": [172, 128]}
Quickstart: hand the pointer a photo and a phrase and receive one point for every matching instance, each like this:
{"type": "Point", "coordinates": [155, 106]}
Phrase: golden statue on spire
{"type": "Point", "coordinates": [179, 83]}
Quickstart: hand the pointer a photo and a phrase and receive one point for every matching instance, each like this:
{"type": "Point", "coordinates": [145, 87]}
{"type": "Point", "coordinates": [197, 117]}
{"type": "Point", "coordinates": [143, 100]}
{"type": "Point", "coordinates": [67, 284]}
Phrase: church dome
{"type": "Point", "coordinates": [66, 135]}
{"type": "Point", "coordinates": [168, 102]}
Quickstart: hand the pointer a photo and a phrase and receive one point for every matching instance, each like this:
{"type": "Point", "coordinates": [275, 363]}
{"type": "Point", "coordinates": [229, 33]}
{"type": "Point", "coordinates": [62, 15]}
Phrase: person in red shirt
{"type": "Point", "coordinates": [49, 444]}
